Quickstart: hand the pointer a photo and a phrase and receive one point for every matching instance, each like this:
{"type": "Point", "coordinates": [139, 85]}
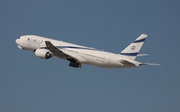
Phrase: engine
{"type": "Point", "coordinates": [43, 53]}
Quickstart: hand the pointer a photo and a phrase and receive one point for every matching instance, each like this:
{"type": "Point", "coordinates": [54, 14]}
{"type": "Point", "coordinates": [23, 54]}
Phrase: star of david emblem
{"type": "Point", "coordinates": [133, 47]}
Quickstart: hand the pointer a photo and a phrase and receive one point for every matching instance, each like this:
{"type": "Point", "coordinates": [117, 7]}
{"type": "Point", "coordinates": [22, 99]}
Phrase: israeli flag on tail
{"type": "Point", "coordinates": [133, 49]}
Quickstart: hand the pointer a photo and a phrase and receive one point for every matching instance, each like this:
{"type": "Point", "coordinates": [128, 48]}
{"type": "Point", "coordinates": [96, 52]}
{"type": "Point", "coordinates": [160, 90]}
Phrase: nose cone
{"type": "Point", "coordinates": [17, 41]}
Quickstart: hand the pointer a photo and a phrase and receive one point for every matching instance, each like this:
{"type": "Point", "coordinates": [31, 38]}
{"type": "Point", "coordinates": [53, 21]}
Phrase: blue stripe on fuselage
{"type": "Point", "coordinates": [61, 47]}
{"type": "Point", "coordinates": [73, 47]}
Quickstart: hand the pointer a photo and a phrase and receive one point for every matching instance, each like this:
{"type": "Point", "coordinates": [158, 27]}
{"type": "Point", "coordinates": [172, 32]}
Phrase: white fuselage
{"type": "Point", "coordinates": [85, 55]}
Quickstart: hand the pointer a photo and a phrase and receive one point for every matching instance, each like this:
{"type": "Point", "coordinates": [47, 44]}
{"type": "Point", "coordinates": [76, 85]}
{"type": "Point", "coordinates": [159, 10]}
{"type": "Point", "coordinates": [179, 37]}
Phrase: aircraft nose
{"type": "Point", "coordinates": [17, 41]}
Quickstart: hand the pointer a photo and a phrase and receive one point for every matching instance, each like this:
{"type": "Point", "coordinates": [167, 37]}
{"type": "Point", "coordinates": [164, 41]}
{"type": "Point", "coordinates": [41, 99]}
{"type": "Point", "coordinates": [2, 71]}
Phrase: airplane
{"type": "Point", "coordinates": [77, 55]}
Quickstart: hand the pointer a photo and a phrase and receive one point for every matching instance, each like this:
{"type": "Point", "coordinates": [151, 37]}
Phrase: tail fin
{"type": "Point", "coordinates": [133, 49]}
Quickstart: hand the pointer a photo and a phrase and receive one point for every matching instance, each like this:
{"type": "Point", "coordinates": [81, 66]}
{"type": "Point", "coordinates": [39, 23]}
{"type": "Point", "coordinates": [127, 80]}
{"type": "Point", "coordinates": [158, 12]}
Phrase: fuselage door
{"type": "Point", "coordinates": [109, 61]}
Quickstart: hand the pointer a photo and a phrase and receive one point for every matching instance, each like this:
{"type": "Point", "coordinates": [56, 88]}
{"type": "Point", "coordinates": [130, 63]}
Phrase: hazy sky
{"type": "Point", "coordinates": [30, 84]}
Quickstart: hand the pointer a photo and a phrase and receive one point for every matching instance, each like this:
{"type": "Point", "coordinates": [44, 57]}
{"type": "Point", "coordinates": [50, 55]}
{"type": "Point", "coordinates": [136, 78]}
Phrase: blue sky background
{"type": "Point", "coordinates": [30, 84]}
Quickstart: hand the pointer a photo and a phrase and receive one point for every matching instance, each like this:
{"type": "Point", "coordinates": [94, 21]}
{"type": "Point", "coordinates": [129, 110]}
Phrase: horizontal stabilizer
{"type": "Point", "coordinates": [142, 54]}
{"type": "Point", "coordinates": [152, 64]}
{"type": "Point", "coordinates": [127, 62]}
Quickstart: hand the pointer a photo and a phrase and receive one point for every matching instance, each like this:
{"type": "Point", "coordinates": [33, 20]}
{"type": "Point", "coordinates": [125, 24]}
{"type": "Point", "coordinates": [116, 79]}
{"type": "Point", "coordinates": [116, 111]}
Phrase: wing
{"type": "Point", "coordinates": [55, 51]}
{"type": "Point", "coordinates": [58, 53]}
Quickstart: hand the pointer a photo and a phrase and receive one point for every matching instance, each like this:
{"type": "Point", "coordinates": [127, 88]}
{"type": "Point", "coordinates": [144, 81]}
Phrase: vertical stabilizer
{"type": "Point", "coordinates": [133, 49]}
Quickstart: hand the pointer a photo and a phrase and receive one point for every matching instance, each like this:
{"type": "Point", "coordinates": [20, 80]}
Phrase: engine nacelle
{"type": "Point", "coordinates": [43, 53]}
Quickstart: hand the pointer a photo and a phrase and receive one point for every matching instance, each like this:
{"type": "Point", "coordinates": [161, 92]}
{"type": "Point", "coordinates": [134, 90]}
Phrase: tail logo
{"type": "Point", "coordinates": [133, 47]}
